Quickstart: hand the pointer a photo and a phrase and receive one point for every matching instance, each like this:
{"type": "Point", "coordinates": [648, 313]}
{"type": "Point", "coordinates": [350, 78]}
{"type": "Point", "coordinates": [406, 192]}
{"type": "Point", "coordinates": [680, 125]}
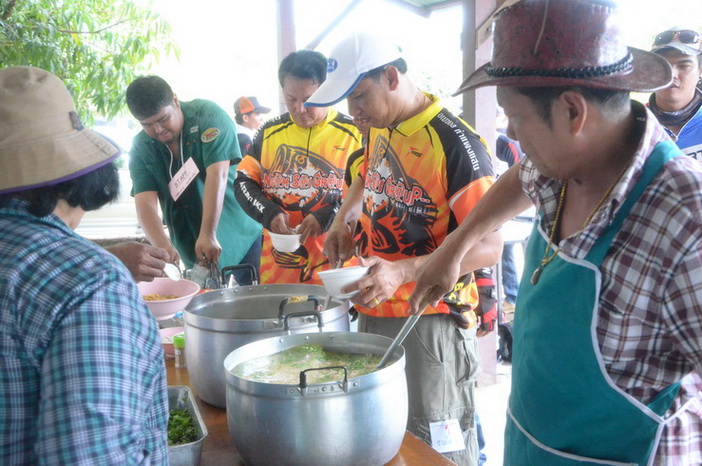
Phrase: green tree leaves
{"type": "Point", "coordinates": [97, 47]}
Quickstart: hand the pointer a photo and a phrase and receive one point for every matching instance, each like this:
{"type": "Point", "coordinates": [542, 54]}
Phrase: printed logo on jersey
{"type": "Point", "coordinates": [415, 151]}
{"type": "Point", "coordinates": [332, 65]}
{"type": "Point", "coordinates": [396, 202]}
{"type": "Point", "coordinates": [209, 135]}
{"type": "Point", "coordinates": [298, 180]}
{"type": "Point", "coordinates": [300, 262]}
{"type": "Point", "coordinates": [694, 151]}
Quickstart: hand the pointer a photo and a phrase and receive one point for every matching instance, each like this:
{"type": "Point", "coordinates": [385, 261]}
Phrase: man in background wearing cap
{"type": "Point", "coordinates": [247, 115]}
{"type": "Point", "coordinates": [83, 380]}
{"type": "Point", "coordinates": [679, 106]}
{"type": "Point", "coordinates": [185, 160]}
{"type": "Point", "coordinates": [424, 170]}
{"type": "Point", "coordinates": [608, 326]}
{"type": "Point", "coordinates": [293, 176]}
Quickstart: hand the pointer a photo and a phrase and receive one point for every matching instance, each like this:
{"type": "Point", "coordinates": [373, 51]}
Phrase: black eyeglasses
{"type": "Point", "coordinates": [685, 36]}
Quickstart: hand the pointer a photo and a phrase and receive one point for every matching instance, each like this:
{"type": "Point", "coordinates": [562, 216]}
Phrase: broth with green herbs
{"type": "Point", "coordinates": [285, 367]}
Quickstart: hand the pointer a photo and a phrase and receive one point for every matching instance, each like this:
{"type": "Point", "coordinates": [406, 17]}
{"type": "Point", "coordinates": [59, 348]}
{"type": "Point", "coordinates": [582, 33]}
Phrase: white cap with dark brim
{"type": "Point", "coordinates": [348, 64]}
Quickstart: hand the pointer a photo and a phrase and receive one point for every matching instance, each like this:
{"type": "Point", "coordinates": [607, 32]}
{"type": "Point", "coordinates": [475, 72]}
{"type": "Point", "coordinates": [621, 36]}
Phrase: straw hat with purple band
{"type": "Point", "coordinates": [348, 63]}
{"type": "Point", "coordinates": [552, 43]}
{"type": "Point", "coordinates": [685, 40]}
{"type": "Point", "coordinates": [42, 141]}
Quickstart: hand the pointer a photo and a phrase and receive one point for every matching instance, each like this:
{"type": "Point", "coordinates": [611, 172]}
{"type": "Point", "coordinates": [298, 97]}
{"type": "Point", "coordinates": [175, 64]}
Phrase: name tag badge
{"type": "Point", "coordinates": [183, 178]}
{"type": "Point", "coordinates": [446, 436]}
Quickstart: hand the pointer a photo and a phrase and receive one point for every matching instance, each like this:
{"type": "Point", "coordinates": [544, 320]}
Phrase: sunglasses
{"type": "Point", "coordinates": [685, 36]}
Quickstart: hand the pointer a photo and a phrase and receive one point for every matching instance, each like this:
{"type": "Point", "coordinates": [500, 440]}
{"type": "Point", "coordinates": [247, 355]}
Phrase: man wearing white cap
{"type": "Point", "coordinates": [607, 334]}
{"type": "Point", "coordinates": [83, 380]}
{"type": "Point", "coordinates": [424, 170]}
{"type": "Point", "coordinates": [679, 106]}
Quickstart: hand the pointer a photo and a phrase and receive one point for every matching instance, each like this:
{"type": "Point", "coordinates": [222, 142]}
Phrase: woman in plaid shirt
{"type": "Point", "coordinates": [82, 378]}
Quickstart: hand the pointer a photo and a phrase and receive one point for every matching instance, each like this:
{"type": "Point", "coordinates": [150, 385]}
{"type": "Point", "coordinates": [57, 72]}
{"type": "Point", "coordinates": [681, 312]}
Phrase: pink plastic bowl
{"type": "Point", "coordinates": [166, 309]}
{"type": "Point", "coordinates": [167, 339]}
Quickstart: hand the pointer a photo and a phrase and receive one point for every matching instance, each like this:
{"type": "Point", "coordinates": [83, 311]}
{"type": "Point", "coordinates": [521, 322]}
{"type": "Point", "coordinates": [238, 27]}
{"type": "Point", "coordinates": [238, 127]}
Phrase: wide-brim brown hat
{"type": "Point", "coordinates": [554, 43]}
{"type": "Point", "coordinates": [42, 141]}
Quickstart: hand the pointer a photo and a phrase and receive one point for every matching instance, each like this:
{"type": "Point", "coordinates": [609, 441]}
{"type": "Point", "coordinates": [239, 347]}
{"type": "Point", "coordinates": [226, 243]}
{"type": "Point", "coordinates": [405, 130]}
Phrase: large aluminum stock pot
{"type": "Point", "coordinates": [353, 421]}
{"type": "Point", "coordinates": [218, 322]}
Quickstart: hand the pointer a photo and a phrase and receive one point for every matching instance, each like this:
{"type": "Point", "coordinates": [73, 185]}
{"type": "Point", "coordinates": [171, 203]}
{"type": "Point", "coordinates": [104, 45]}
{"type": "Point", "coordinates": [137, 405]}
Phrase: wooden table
{"type": "Point", "coordinates": [219, 448]}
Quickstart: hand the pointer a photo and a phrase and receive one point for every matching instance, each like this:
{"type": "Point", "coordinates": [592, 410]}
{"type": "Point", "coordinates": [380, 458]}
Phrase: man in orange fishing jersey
{"type": "Point", "coordinates": [423, 171]}
{"type": "Point", "coordinates": [292, 178]}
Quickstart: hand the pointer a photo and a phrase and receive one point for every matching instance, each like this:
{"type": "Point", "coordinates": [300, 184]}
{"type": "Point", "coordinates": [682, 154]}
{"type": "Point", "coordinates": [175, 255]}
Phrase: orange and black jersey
{"type": "Point", "coordinates": [421, 179]}
{"type": "Point", "coordinates": [299, 171]}
{"type": "Point", "coordinates": [353, 166]}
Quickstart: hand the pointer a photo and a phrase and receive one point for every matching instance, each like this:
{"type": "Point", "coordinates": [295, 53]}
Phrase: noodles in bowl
{"type": "Point", "coordinates": [165, 297]}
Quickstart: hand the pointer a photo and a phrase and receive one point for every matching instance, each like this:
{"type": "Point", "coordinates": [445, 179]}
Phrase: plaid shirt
{"type": "Point", "coordinates": [650, 309]}
{"type": "Point", "coordinates": [82, 379]}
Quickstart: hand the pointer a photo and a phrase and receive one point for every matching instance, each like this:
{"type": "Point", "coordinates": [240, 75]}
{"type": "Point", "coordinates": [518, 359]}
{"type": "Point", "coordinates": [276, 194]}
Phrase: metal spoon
{"type": "Point", "coordinates": [172, 271]}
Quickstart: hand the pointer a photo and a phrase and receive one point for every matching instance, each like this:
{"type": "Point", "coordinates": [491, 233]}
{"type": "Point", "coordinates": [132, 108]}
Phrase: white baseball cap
{"type": "Point", "coordinates": [349, 62]}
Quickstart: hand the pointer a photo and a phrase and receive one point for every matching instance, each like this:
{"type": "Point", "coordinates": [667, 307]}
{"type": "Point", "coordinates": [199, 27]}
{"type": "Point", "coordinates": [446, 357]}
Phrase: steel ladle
{"type": "Point", "coordinates": [402, 334]}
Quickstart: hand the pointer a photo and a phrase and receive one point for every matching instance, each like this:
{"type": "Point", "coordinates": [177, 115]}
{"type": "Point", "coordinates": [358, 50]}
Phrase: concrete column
{"type": "Point", "coordinates": [480, 110]}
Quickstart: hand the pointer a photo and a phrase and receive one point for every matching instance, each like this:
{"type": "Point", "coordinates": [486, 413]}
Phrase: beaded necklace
{"type": "Point", "coordinates": [546, 259]}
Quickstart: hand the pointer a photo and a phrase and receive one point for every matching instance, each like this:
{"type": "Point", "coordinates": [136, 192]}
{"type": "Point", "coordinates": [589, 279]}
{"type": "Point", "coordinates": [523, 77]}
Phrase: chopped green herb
{"type": "Point", "coordinates": [181, 427]}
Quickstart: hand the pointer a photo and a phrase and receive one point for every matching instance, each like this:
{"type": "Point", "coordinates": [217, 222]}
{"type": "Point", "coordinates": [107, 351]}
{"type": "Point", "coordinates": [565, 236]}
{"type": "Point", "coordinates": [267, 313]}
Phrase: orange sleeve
{"type": "Point", "coordinates": [251, 168]}
{"type": "Point", "coordinates": [465, 199]}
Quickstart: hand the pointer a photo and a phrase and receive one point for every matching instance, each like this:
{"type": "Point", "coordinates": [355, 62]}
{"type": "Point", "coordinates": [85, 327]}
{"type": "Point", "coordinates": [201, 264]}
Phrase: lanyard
{"type": "Point", "coordinates": [170, 165]}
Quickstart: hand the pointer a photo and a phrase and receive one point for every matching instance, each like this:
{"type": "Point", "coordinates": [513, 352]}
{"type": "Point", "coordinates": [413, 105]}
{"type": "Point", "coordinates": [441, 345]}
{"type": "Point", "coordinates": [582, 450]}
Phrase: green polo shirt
{"type": "Point", "coordinates": [209, 136]}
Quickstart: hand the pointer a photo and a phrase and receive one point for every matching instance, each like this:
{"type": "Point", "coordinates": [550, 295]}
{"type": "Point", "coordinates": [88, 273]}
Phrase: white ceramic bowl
{"type": "Point", "coordinates": [285, 243]}
{"type": "Point", "coordinates": [167, 335]}
{"type": "Point", "coordinates": [165, 309]}
{"type": "Point", "coordinates": [336, 279]}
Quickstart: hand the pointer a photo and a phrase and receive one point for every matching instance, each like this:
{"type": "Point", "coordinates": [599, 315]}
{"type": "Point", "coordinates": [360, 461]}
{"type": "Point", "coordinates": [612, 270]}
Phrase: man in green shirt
{"type": "Point", "coordinates": [185, 160]}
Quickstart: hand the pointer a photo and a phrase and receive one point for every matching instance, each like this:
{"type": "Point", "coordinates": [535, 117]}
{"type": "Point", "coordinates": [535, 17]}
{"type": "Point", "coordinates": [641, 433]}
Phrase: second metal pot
{"type": "Point", "coordinates": [352, 421]}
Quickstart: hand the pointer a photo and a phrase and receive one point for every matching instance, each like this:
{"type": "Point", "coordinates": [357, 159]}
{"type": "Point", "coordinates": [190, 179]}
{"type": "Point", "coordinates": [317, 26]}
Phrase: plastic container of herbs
{"type": "Point", "coordinates": [180, 401]}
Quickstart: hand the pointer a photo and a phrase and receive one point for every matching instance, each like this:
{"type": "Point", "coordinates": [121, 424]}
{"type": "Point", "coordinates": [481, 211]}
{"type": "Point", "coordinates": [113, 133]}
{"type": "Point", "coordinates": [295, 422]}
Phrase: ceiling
{"type": "Point", "coordinates": [425, 7]}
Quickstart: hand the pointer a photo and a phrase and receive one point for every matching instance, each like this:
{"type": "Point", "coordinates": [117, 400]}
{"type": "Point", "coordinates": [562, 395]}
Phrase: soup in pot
{"type": "Point", "coordinates": [285, 367]}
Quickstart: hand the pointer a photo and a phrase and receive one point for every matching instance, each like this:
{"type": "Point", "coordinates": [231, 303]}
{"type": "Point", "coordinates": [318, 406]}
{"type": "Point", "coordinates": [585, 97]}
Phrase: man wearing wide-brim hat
{"type": "Point", "coordinates": [608, 320]}
{"type": "Point", "coordinates": [83, 380]}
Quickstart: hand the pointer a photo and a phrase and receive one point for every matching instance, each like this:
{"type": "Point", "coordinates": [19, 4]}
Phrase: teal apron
{"type": "Point", "coordinates": [563, 408]}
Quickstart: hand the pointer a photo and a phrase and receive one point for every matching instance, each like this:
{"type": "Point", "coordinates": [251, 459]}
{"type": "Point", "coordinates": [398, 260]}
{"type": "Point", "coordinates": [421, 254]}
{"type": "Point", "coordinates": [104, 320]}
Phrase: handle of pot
{"type": "Point", "coordinates": [303, 374]}
{"type": "Point", "coordinates": [231, 268]}
{"type": "Point", "coordinates": [317, 314]}
{"type": "Point", "coordinates": [298, 299]}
